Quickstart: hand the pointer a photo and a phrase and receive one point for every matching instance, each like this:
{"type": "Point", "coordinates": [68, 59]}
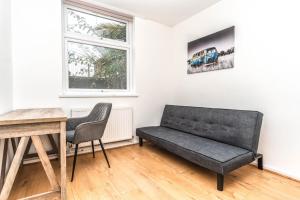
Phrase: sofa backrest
{"type": "Point", "coordinates": [235, 127]}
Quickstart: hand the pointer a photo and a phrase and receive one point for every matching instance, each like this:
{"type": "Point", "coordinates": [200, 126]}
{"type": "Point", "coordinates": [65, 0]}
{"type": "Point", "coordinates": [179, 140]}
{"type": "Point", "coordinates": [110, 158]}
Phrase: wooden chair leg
{"type": "Point", "coordinates": [93, 149]}
{"type": "Point", "coordinates": [104, 153]}
{"type": "Point", "coordinates": [74, 162]}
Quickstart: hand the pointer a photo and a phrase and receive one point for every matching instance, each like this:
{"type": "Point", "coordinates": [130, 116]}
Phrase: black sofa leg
{"type": "Point", "coordinates": [260, 164]}
{"type": "Point", "coordinates": [141, 141]}
{"type": "Point", "coordinates": [220, 182]}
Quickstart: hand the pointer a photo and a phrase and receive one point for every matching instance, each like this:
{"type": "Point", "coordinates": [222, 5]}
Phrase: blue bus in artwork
{"type": "Point", "coordinates": [204, 57]}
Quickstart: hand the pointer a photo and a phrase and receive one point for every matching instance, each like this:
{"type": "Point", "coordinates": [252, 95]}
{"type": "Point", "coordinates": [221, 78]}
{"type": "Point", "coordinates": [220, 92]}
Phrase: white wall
{"type": "Point", "coordinates": [5, 63]}
{"type": "Point", "coordinates": [37, 61]}
{"type": "Point", "coordinates": [5, 58]}
{"type": "Point", "coordinates": [265, 76]}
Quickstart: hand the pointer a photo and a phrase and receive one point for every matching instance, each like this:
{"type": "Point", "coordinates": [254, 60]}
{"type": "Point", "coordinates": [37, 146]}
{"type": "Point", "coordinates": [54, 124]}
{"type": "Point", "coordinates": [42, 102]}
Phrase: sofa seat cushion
{"type": "Point", "coordinates": [208, 153]}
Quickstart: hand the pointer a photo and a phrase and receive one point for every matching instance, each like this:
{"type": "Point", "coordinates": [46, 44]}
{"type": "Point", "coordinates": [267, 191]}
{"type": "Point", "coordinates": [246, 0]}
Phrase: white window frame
{"type": "Point", "coordinates": [103, 42]}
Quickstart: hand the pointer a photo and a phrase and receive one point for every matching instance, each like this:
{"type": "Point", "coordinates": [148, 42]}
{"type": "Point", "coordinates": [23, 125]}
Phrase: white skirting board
{"type": "Point", "coordinates": [280, 172]}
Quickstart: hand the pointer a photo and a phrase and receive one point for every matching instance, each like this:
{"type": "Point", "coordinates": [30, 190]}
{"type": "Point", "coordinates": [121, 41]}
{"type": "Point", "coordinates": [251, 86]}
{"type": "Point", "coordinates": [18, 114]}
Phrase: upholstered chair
{"type": "Point", "coordinates": [88, 129]}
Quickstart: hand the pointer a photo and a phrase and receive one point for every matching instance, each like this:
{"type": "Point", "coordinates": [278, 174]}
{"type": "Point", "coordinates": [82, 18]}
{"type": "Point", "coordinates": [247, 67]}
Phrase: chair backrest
{"type": "Point", "coordinates": [100, 112]}
{"type": "Point", "coordinates": [235, 127]}
{"type": "Point", "coordinates": [94, 130]}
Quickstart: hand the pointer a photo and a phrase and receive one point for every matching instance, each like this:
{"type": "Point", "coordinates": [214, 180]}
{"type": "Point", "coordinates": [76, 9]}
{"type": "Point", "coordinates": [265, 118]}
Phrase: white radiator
{"type": "Point", "coordinates": [119, 126]}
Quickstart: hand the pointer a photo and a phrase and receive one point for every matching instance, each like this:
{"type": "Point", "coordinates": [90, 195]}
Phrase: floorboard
{"type": "Point", "coordinates": [151, 173]}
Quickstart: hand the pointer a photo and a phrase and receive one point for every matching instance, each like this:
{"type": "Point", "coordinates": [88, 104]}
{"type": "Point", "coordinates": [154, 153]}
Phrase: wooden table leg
{"type": "Point", "coordinates": [58, 151]}
{"type": "Point", "coordinates": [53, 144]}
{"type": "Point", "coordinates": [28, 147]}
{"type": "Point", "coordinates": [63, 162]}
{"type": "Point", "coordinates": [11, 175]}
{"type": "Point", "coordinates": [45, 162]}
{"type": "Point", "coordinates": [3, 166]}
{"type": "Point", "coordinates": [13, 144]}
{"type": "Point", "coordinates": [54, 149]}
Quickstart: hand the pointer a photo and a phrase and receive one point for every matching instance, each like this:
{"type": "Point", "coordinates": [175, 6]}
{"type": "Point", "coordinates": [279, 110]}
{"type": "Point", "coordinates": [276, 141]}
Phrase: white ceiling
{"type": "Point", "coordinates": [169, 12]}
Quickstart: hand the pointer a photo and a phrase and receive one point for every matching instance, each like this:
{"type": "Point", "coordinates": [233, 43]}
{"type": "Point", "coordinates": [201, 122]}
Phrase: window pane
{"type": "Point", "coordinates": [96, 67]}
{"type": "Point", "coordinates": [87, 24]}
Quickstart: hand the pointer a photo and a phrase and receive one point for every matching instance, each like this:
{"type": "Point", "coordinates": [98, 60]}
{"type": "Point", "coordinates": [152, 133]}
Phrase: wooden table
{"type": "Point", "coordinates": [33, 123]}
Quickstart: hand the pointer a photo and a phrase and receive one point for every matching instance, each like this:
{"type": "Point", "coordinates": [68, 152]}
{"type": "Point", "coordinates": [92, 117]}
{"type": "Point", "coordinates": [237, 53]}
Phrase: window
{"type": "Point", "coordinates": [97, 53]}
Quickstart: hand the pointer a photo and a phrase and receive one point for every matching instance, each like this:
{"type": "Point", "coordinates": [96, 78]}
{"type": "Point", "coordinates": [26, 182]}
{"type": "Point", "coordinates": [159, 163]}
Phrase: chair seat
{"type": "Point", "coordinates": [70, 136]}
{"type": "Point", "coordinates": [214, 155]}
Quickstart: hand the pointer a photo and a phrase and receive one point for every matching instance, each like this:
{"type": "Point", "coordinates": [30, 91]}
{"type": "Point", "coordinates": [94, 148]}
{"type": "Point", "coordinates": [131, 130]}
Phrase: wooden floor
{"type": "Point", "coordinates": [152, 173]}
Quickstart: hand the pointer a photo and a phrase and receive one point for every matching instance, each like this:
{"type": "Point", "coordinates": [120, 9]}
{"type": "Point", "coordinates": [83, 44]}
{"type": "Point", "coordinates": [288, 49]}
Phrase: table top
{"type": "Point", "coordinates": [28, 116]}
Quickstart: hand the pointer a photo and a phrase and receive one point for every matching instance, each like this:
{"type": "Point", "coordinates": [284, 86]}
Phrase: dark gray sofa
{"type": "Point", "coordinates": [221, 140]}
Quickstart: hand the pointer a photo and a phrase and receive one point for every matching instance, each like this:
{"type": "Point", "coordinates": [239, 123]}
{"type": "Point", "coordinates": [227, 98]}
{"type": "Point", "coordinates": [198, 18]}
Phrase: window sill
{"type": "Point", "coordinates": [102, 95]}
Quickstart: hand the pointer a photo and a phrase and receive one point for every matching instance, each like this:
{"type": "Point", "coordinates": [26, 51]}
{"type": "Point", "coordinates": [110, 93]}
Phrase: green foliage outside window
{"type": "Point", "coordinates": [99, 67]}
